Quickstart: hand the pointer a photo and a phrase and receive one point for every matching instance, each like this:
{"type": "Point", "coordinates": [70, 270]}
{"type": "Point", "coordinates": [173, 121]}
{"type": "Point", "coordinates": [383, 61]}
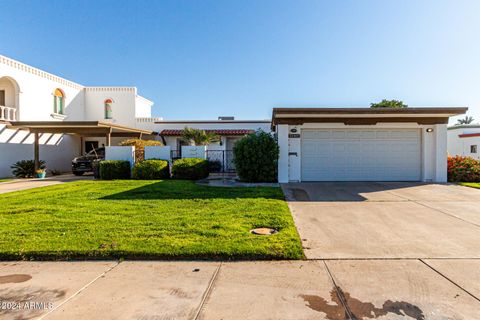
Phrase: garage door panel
{"type": "Point", "coordinates": [361, 155]}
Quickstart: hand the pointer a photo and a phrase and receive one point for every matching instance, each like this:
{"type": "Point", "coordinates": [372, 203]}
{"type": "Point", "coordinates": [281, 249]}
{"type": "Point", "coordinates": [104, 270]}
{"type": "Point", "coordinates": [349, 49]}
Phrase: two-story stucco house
{"type": "Point", "coordinates": [68, 119]}
{"type": "Point", "coordinates": [33, 103]}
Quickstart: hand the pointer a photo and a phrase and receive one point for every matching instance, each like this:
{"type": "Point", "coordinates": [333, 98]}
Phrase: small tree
{"type": "Point", "coordinates": [466, 120]}
{"type": "Point", "coordinates": [140, 145]}
{"type": "Point", "coordinates": [256, 157]}
{"type": "Point", "coordinates": [389, 104]}
{"type": "Point", "coordinates": [198, 137]}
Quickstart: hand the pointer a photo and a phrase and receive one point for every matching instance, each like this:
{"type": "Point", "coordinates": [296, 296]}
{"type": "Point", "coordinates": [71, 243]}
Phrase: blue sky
{"type": "Point", "coordinates": [202, 59]}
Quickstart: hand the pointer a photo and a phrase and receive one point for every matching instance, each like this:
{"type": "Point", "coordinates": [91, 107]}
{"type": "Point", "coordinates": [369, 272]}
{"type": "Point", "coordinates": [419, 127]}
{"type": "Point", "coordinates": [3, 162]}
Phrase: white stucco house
{"type": "Point", "coordinates": [69, 119]}
{"type": "Point", "coordinates": [55, 120]}
{"type": "Point", "coordinates": [464, 140]}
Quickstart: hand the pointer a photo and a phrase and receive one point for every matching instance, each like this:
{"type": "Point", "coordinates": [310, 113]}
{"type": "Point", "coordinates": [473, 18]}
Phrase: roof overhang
{"type": "Point", "coordinates": [363, 116]}
{"type": "Point", "coordinates": [84, 128]}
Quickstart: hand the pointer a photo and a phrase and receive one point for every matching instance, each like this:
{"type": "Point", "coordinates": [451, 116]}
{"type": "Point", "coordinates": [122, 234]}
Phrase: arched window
{"type": "Point", "coordinates": [108, 108]}
{"type": "Point", "coordinates": [58, 101]}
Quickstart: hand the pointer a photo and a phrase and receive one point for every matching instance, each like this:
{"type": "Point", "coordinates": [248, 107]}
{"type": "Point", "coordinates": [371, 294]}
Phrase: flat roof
{"type": "Point", "coordinates": [212, 121]}
{"type": "Point", "coordinates": [76, 127]}
{"type": "Point", "coordinates": [424, 115]}
{"type": "Point", "coordinates": [220, 132]}
{"type": "Point", "coordinates": [464, 126]}
{"type": "Point", "coordinates": [372, 111]}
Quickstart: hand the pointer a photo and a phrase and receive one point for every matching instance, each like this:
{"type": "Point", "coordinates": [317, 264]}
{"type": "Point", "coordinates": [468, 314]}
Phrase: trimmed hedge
{"type": "Point", "coordinates": [463, 169]}
{"type": "Point", "coordinates": [151, 169]}
{"type": "Point", "coordinates": [190, 169]}
{"type": "Point", "coordinates": [114, 169]}
{"type": "Point", "coordinates": [256, 157]}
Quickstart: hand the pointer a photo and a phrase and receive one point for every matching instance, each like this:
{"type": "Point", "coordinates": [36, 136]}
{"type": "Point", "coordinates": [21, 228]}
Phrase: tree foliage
{"type": "Point", "coordinates": [140, 145]}
{"type": "Point", "coordinates": [466, 120]}
{"type": "Point", "coordinates": [198, 137]}
{"type": "Point", "coordinates": [389, 104]}
{"type": "Point", "coordinates": [256, 157]}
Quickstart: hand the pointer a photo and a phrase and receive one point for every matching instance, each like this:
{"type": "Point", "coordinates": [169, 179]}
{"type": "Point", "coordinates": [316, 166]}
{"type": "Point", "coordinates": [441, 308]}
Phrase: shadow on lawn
{"type": "Point", "coordinates": [177, 190]}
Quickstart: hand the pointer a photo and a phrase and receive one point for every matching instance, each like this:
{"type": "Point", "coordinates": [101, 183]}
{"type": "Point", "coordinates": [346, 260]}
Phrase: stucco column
{"type": "Point", "coordinates": [441, 153]}
{"type": "Point", "coordinates": [282, 135]}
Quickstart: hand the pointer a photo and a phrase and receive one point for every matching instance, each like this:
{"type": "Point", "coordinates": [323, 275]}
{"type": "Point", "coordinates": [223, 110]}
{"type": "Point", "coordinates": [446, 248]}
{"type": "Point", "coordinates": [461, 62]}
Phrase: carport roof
{"type": "Point", "coordinates": [77, 127]}
{"type": "Point", "coordinates": [432, 115]}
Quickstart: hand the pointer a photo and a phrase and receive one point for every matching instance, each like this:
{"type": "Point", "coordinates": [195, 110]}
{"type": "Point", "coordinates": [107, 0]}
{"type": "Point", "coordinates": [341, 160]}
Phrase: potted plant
{"type": "Point", "coordinates": [40, 173]}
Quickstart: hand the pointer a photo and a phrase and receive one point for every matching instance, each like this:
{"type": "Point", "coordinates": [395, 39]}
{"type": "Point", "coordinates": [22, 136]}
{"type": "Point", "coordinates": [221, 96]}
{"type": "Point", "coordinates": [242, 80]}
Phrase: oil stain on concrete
{"type": "Point", "coordinates": [15, 278]}
{"type": "Point", "coordinates": [358, 309]}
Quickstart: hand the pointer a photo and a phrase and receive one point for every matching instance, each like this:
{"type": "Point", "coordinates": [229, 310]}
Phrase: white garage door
{"type": "Point", "coordinates": [361, 155]}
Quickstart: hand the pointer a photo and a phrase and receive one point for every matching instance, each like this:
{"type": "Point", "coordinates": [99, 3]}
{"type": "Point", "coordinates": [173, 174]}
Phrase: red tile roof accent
{"type": "Point", "coordinates": [220, 132]}
{"type": "Point", "coordinates": [469, 135]}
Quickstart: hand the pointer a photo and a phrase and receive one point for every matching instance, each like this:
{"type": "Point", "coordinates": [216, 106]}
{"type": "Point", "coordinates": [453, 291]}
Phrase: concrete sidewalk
{"type": "Point", "coordinates": [334, 289]}
{"type": "Point", "coordinates": [24, 184]}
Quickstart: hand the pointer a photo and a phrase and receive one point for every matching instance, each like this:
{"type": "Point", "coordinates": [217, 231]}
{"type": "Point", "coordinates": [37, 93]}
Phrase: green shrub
{"type": "Point", "coordinates": [152, 169]}
{"type": "Point", "coordinates": [114, 169]}
{"type": "Point", "coordinates": [256, 157]}
{"type": "Point", "coordinates": [463, 169]}
{"type": "Point", "coordinates": [25, 168]}
{"type": "Point", "coordinates": [190, 169]}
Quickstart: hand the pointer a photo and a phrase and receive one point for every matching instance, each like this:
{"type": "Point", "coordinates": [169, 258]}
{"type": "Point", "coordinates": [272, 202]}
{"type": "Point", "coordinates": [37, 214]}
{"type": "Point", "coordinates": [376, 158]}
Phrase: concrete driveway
{"type": "Point", "coordinates": [354, 220]}
{"type": "Point", "coordinates": [25, 184]}
{"type": "Point", "coordinates": [375, 251]}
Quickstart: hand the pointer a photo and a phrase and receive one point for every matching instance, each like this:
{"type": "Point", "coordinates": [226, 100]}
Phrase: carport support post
{"type": "Point", "coordinates": [36, 152]}
{"type": "Point", "coordinates": [108, 139]}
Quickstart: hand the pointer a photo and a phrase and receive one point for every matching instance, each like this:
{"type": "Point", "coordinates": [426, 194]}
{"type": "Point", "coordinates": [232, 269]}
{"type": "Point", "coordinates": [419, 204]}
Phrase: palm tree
{"type": "Point", "coordinates": [466, 120]}
{"type": "Point", "coordinates": [198, 137]}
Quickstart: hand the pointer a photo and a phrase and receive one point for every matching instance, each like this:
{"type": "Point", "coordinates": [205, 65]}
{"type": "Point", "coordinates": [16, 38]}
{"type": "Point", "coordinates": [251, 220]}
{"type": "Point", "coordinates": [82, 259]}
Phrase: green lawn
{"type": "Point", "coordinates": [471, 184]}
{"type": "Point", "coordinates": [5, 180]}
{"type": "Point", "coordinates": [145, 220]}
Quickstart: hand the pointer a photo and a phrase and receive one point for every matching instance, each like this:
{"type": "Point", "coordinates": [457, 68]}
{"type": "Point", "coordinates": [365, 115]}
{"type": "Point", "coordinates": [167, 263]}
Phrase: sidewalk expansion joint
{"type": "Point", "coordinates": [207, 292]}
{"type": "Point", "coordinates": [80, 290]}
{"type": "Point", "coordinates": [450, 280]}
{"type": "Point", "coordinates": [340, 294]}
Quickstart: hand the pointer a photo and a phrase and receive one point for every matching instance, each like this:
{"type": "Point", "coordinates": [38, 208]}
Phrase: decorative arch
{"type": "Point", "coordinates": [58, 101]}
{"type": "Point", "coordinates": [9, 98]}
{"type": "Point", "coordinates": [107, 105]}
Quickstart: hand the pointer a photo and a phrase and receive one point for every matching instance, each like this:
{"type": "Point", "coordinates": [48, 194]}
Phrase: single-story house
{"type": "Point", "coordinates": [58, 119]}
{"type": "Point", "coordinates": [362, 144]}
{"type": "Point", "coordinates": [464, 140]}
{"type": "Point", "coordinates": [227, 129]}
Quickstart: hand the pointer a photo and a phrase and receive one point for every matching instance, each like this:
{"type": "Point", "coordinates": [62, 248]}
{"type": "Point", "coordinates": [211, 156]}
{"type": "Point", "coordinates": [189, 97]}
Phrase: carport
{"type": "Point", "coordinates": [79, 128]}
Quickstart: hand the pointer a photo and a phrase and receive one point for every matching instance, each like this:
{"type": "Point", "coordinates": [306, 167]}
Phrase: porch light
{"type": "Point", "coordinates": [429, 130]}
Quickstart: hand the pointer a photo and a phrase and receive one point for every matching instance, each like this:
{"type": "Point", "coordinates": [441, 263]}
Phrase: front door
{"type": "Point", "coordinates": [90, 145]}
